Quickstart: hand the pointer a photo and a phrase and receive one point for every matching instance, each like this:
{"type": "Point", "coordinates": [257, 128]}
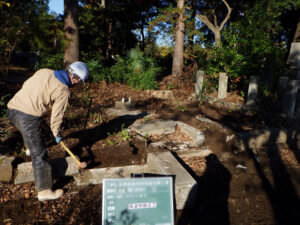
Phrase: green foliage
{"type": "Point", "coordinates": [124, 135]}
{"type": "Point", "coordinates": [55, 62]}
{"type": "Point", "coordinates": [249, 45]}
{"type": "Point", "coordinates": [27, 27]}
{"type": "Point", "coordinates": [136, 70]}
{"type": "Point", "coordinates": [96, 70]}
{"type": "Point", "coordinates": [141, 73]}
{"type": "Point", "coordinates": [118, 71]}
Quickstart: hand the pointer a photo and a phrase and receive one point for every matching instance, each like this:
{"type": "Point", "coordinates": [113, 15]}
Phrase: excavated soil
{"type": "Point", "coordinates": [233, 187]}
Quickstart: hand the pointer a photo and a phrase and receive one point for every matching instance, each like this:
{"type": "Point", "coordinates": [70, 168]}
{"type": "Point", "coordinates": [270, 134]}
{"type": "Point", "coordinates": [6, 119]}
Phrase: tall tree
{"type": "Point", "coordinates": [209, 16]}
{"type": "Point", "coordinates": [20, 24]}
{"type": "Point", "coordinates": [177, 65]}
{"type": "Point", "coordinates": [71, 31]}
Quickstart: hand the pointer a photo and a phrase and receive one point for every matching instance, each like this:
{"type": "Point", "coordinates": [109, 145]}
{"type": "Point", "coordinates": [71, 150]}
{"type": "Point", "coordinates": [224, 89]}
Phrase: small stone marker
{"type": "Point", "coordinates": [138, 201]}
{"type": "Point", "coordinates": [253, 91]}
{"type": "Point", "coordinates": [6, 169]}
{"type": "Point", "coordinates": [129, 105]}
{"type": "Point", "coordinates": [199, 82]}
{"type": "Point", "coordinates": [223, 81]}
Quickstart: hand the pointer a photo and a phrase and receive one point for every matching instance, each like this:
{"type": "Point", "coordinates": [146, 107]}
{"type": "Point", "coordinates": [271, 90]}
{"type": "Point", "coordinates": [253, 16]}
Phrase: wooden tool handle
{"type": "Point", "coordinates": [70, 153]}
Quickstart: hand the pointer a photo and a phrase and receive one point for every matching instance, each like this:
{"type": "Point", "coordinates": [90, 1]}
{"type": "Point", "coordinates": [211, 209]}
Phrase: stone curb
{"type": "Point", "coordinates": [60, 167]}
{"type": "Point", "coordinates": [196, 135]}
{"type": "Point", "coordinates": [158, 164]}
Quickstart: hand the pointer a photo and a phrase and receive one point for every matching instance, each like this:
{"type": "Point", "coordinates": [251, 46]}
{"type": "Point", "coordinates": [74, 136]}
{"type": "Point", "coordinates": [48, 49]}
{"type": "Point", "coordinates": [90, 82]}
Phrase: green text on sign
{"type": "Point", "coordinates": [138, 201]}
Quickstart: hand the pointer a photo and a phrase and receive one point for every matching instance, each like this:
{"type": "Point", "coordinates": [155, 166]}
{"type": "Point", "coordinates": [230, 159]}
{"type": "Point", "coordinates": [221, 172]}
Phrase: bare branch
{"type": "Point", "coordinates": [227, 16]}
{"type": "Point", "coordinates": [215, 19]}
{"type": "Point", "coordinates": [102, 4]}
{"type": "Point", "coordinates": [206, 21]}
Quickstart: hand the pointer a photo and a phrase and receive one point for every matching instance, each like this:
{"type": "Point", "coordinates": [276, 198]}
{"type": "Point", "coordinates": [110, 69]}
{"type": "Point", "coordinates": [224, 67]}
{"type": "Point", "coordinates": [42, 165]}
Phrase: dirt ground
{"type": "Point", "coordinates": [233, 187]}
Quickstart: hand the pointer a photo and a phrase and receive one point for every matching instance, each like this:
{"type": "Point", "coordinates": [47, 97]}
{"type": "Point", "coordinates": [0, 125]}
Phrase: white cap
{"type": "Point", "coordinates": [80, 69]}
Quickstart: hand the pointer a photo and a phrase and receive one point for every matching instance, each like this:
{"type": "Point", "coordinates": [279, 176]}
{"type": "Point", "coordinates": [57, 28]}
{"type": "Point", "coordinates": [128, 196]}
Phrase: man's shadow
{"type": "Point", "coordinates": [209, 197]}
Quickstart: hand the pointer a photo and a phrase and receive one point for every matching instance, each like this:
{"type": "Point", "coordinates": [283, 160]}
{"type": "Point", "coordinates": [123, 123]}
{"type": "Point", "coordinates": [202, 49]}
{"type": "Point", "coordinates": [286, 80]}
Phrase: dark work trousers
{"type": "Point", "coordinates": [31, 130]}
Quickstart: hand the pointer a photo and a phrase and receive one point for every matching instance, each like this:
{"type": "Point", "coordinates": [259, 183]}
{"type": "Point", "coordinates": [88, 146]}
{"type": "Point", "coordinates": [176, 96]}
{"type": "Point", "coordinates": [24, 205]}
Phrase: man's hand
{"type": "Point", "coordinates": [58, 139]}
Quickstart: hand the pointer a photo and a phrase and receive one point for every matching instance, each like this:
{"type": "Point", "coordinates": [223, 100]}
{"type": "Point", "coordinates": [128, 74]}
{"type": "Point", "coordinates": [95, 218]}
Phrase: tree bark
{"type": "Point", "coordinates": [109, 45]}
{"type": "Point", "coordinates": [177, 65]}
{"type": "Point", "coordinates": [71, 31]}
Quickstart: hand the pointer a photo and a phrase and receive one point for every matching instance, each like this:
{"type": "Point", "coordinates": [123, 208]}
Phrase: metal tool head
{"type": "Point", "coordinates": [83, 165]}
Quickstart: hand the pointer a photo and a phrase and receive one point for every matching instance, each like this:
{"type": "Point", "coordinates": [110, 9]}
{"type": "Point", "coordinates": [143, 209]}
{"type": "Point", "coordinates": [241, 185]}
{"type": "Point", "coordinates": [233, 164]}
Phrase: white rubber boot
{"type": "Point", "coordinates": [49, 194]}
{"type": "Point", "coordinates": [27, 152]}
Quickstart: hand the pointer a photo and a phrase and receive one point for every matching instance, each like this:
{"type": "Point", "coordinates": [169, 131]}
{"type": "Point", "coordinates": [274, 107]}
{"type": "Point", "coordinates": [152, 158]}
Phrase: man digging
{"type": "Point", "coordinates": [46, 88]}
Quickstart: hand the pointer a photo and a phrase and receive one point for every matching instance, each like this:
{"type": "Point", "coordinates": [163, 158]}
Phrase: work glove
{"type": "Point", "coordinates": [58, 139]}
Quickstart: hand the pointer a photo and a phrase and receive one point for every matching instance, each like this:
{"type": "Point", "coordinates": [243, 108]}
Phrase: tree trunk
{"type": "Point", "coordinates": [71, 31]}
{"type": "Point", "coordinates": [177, 65]}
{"type": "Point", "coordinates": [217, 34]}
{"type": "Point", "coordinates": [109, 45]}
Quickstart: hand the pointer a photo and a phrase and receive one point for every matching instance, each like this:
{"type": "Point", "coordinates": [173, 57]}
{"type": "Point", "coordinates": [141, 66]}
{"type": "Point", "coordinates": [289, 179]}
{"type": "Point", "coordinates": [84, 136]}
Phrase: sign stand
{"type": "Point", "coordinates": [138, 201]}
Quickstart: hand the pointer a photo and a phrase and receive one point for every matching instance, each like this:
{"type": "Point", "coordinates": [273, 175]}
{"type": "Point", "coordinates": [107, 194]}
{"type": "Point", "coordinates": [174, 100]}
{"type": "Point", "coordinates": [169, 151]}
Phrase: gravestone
{"type": "Point", "coordinates": [290, 96]}
{"type": "Point", "coordinates": [253, 90]}
{"type": "Point", "coordinates": [199, 82]}
{"type": "Point", "coordinates": [294, 56]}
{"type": "Point", "coordinates": [223, 81]}
{"type": "Point", "coordinates": [138, 201]}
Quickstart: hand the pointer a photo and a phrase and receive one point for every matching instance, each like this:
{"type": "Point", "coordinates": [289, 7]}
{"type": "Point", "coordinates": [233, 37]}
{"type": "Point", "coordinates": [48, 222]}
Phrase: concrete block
{"type": "Point", "coordinates": [96, 176]}
{"type": "Point", "coordinates": [162, 94]}
{"type": "Point", "coordinates": [166, 164]}
{"type": "Point", "coordinates": [60, 167]}
{"type": "Point", "coordinates": [133, 114]}
{"type": "Point", "coordinates": [155, 127]}
{"type": "Point", "coordinates": [196, 135]}
{"type": "Point", "coordinates": [6, 169]}
{"type": "Point", "coordinates": [160, 164]}
{"type": "Point", "coordinates": [124, 105]}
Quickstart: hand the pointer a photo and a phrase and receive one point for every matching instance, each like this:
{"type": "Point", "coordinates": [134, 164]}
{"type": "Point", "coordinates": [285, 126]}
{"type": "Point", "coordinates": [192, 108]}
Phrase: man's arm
{"type": "Point", "coordinates": [58, 110]}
